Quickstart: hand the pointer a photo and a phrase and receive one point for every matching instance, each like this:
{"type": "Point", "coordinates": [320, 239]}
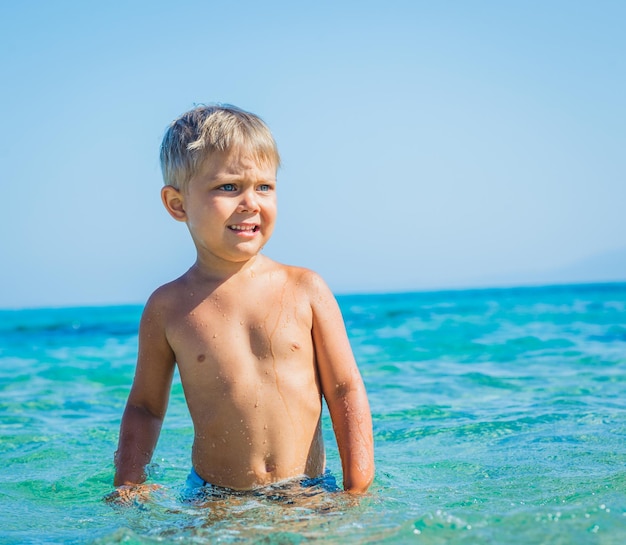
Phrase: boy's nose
{"type": "Point", "coordinates": [249, 202]}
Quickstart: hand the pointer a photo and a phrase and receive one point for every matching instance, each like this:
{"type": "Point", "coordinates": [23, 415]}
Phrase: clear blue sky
{"type": "Point", "coordinates": [426, 144]}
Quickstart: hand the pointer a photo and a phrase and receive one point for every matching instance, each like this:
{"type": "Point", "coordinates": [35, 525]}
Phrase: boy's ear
{"type": "Point", "coordinates": [173, 201]}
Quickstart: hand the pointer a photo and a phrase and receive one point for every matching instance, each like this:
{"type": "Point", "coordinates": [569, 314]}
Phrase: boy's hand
{"type": "Point", "coordinates": [131, 494]}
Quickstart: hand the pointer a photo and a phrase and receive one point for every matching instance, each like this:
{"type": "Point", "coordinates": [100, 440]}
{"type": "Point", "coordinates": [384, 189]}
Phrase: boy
{"type": "Point", "coordinates": [257, 343]}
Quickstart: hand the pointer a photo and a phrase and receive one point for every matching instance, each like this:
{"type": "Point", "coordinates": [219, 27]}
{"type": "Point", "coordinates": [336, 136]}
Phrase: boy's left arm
{"type": "Point", "coordinates": [343, 390]}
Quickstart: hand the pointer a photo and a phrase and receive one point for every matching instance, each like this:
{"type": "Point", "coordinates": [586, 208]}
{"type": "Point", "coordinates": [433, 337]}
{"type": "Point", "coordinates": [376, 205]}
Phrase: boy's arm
{"type": "Point", "coordinates": [147, 402]}
{"type": "Point", "coordinates": [343, 389]}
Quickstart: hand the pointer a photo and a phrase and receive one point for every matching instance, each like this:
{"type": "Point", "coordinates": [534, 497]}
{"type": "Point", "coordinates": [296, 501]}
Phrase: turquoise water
{"type": "Point", "coordinates": [499, 417]}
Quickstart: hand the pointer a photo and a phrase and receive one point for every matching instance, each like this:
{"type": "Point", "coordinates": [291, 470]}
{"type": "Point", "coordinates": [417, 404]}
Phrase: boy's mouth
{"type": "Point", "coordinates": [244, 228]}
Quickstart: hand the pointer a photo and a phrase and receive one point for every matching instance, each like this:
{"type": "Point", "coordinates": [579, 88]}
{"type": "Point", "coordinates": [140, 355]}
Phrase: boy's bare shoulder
{"type": "Point", "coordinates": [309, 281]}
{"type": "Point", "coordinates": [166, 296]}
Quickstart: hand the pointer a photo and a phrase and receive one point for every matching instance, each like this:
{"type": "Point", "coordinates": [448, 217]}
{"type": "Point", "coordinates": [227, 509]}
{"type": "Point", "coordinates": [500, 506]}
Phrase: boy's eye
{"type": "Point", "coordinates": [228, 187]}
{"type": "Point", "coordinates": [265, 187]}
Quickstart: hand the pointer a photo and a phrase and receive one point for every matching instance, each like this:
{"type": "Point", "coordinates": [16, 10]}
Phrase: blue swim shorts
{"type": "Point", "coordinates": [197, 488]}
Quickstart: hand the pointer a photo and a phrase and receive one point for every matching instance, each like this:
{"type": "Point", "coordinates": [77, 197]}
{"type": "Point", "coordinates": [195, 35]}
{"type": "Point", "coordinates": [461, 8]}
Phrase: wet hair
{"type": "Point", "coordinates": [193, 136]}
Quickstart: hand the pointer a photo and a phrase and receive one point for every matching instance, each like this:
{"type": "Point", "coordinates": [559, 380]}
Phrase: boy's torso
{"type": "Point", "coordinates": [247, 364]}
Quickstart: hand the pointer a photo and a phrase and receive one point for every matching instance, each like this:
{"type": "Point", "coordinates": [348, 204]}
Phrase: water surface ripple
{"type": "Point", "coordinates": [499, 417]}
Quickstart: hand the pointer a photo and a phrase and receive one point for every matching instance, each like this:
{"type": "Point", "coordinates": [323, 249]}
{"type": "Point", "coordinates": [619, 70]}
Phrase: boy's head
{"type": "Point", "coordinates": [191, 138]}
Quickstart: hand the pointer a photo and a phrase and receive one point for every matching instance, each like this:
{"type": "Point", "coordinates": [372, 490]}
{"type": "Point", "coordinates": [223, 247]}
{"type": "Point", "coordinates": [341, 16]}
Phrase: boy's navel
{"type": "Point", "coordinates": [270, 464]}
{"type": "Point", "coordinates": [201, 357]}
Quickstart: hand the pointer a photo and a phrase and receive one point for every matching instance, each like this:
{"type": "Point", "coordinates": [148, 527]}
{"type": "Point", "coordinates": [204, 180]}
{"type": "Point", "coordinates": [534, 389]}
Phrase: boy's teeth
{"type": "Point", "coordinates": [243, 227]}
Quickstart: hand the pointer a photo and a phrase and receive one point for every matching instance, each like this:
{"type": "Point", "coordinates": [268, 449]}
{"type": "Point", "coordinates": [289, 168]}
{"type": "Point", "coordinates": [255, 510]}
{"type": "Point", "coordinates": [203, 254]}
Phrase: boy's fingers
{"type": "Point", "coordinates": [130, 494]}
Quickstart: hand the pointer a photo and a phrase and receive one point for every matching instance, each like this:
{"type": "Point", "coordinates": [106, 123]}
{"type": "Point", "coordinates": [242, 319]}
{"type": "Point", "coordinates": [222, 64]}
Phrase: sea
{"type": "Point", "coordinates": [499, 418]}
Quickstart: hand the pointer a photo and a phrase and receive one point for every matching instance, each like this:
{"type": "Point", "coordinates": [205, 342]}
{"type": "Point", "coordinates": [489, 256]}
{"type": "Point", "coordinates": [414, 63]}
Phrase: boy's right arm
{"type": "Point", "coordinates": [147, 402]}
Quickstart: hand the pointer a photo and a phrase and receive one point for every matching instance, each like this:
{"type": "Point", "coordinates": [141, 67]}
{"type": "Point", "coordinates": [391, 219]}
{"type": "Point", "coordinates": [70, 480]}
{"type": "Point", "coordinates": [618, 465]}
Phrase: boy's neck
{"type": "Point", "coordinates": [221, 271]}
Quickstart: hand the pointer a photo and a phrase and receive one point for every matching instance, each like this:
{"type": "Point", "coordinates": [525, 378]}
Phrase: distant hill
{"type": "Point", "coordinates": [602, 267]}
{"type": "Point", "coordinates": [605, 267]}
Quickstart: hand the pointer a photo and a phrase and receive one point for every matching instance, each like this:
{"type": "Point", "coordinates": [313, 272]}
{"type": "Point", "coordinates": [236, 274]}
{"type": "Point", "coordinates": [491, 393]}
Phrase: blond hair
{"type": "Point", "coordinates": [220, 127]}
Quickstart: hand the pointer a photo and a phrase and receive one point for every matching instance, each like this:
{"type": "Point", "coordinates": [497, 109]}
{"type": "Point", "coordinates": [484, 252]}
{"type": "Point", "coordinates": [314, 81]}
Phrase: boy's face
{"type": "Point", "coordinates": [229, 206]}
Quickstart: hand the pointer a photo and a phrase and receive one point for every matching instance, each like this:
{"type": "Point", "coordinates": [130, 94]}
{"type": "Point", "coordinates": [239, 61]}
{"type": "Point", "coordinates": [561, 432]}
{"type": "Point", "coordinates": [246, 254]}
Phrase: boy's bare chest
{"type": "Point", "coordinates": [228, 331]}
